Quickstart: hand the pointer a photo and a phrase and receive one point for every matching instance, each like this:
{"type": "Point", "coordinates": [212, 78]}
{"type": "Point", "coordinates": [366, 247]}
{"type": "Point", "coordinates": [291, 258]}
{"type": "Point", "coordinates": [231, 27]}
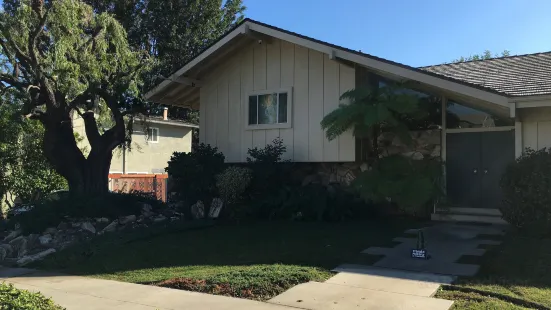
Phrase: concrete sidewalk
{"type": "Point", "coordinates": [82, 293]}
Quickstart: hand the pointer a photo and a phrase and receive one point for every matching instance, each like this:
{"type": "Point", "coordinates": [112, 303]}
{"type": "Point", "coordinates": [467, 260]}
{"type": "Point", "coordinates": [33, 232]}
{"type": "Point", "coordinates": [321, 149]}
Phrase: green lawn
{"type": "Point", "coordinates": [255, 261]}
{"type": "Point", "coordinates": [514, 275]}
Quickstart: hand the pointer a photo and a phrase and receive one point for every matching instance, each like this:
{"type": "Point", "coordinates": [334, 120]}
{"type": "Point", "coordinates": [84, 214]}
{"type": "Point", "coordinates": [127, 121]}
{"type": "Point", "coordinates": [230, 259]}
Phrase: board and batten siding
{"type": "Point", "coordinates": [317, 84]}
{"type": "Point", "coordinates": [536, 127]}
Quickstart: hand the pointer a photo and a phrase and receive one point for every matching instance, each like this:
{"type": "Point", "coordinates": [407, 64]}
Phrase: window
{"type": "Point", "coordinates": [269, 109]}
{"type": "Point", "coordinates": [153, 135]}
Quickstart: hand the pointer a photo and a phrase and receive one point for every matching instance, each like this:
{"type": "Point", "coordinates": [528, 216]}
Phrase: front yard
{"type": "Point", "coordinates": [256, 261]}
{"type": "Point", "coordinates": [514, 275]}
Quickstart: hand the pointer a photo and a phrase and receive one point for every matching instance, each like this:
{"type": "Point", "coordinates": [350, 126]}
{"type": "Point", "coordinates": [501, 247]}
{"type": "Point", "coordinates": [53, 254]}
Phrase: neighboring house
{"type": "Point", "coordinates": [259, 82]}
{"type": "Point", "coordinates": [149, 151]}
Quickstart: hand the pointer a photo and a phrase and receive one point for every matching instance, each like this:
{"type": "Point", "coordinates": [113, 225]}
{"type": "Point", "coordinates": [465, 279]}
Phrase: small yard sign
{"type": "Point", "coordinates": [420, 251]}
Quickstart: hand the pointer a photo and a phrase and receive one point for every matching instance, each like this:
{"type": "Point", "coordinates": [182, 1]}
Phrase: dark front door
{"type": "Point", "coordinates": [475, 163]}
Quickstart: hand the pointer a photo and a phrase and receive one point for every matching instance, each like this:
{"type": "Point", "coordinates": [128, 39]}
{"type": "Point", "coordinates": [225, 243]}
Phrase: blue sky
{"type": "Point", "coordinates": [415, 32]}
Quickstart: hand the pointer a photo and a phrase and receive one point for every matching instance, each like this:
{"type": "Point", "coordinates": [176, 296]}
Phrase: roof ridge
{"type": "Point", "coordinates": [485, 60]}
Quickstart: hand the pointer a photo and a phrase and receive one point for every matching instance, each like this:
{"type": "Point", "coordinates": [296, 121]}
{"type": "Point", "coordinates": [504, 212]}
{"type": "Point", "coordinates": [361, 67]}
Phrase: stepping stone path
{"type": "Point", "coordinates": [397, 281]}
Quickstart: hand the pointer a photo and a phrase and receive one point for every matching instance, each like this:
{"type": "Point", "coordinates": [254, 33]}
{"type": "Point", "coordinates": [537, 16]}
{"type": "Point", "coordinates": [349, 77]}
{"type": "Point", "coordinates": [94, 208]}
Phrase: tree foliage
{"type": "Point", "coordinates": [484, 56]}
{"type": "Point", "coordinates": [59, 58]}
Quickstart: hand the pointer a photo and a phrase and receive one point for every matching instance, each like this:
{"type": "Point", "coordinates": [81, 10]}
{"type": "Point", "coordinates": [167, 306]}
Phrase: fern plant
{"type": "Point", "coordinates": [411, 185]}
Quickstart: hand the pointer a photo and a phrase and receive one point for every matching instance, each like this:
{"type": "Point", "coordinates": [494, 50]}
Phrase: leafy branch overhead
{"type": "Point", "coordinates": [367, 108]}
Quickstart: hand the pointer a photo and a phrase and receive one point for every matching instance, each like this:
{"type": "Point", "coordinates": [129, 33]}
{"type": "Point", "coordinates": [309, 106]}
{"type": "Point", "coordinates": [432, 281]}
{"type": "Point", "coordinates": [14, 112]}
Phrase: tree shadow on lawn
{"type": "Point", "coordinates": [196, 251]}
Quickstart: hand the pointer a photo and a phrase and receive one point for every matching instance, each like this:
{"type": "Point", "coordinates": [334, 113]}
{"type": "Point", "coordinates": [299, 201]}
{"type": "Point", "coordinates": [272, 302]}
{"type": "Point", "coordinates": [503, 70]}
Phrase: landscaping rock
{"type": "Point", "coordinates": [160, 218]}
{"type": "Point", "coordinates": [45, 239]}
{"type": "Point", "coordinates": [62, 226]}
{"type": "Point", "coordinates": [3, 254]}
{"type": "Point", "coordinates": [75, 225]}
{"type": "Point", "coordinates": [364, 167]}
{"type": "Point", "coordinates": [14, 234]}
{"type": "Point", "coordinates": [102, 220]}
{"type": "Point", "coordinates": [215, 208]}
{"type": "Point", "coordinates": [50, 231]}
{"type": "Point", "coordinates": [198, 210]}
{"type": "Point", "coordinates": [147, 208]}
{"type": "Point", "coordinates": [8, 248]}
{"type": "Point", "coordinates": [127, 219]}
{"type": "Point", "coordinates": [111, 227]}
{"type": "Point", "coordinates": [32, 241]}
{"type": "Point", "coordinates": [87, 226]}
{"type": "Point", "coordinates": [414, 155]}
{"type": "Point", "coordinates": [19, 246]}
{"type": "Point", "coordinates": [32, 258]}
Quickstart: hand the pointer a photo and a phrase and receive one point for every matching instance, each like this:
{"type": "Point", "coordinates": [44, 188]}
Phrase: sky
{"type": "Point", "coordinates": [415, 32]}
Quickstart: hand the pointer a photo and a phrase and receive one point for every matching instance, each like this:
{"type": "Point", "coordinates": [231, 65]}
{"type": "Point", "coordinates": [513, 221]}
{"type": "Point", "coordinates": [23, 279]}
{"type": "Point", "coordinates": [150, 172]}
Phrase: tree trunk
{"type": "Point", "coordinates": [85, 175]}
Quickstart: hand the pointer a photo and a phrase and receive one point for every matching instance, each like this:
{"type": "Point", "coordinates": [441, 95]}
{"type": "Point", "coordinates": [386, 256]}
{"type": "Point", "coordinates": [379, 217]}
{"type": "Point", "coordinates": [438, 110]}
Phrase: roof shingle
{"type": "Point", "coordinates": [522, 75]}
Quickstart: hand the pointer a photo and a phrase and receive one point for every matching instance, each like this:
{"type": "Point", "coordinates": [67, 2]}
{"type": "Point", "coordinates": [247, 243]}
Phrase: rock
{"type": "Point", "coordinates": [309, 179]}
{"type": "Point", "coordinates": [436, 152]}
{"type": "Point", "coordinates": [215, 208]}
{"type": "Point", "coordinates": [45, 239]}
{"type": "Point", "coordinates": [87, 226]}
{"type": "Point", "coordinates": [102, 220]}
{"type": "Point", "coordinates": [198, 210]}
{"type": "Point", "coordinates": [76, 225]}
{"type": "Point", "coordinates": [3, 254]}
{"type": "Point", "coordinates": [111, 227]}
{"type": "Point", "coordinates": [8, 248]}
{"type": "Point", "coordinates": [19, 246]}
{"type": "Point", "coordinates": [14, 234]}
{"type": "Point", "coordinates": [50, 231]}
{"type": "Point", "coordinates": [364, 167]}
{"type": "Point", "coordinates": [414, 155]}
{"type": "Point", "coordinates": [160, 218]}
{"type": "Point", "coordinates": [127, 219]}
{"type": "Point", "coordinates": [147, 208]}
{"type": "Point", "coordinates": [32, 241]}
{"type": "Point", "coordinates": [62, 226]}
{"type": "Point", "coordinates": [33, 258]}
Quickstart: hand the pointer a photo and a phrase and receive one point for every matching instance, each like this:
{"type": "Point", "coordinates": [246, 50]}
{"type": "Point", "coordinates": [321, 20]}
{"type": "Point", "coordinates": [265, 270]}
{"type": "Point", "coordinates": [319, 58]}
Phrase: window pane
{"type": "Point", "coordinates": [253, 109]}
{"type": "Point", "coordinates": [282, 108]}
{"type": "Point", "coordinates": [267, 109]}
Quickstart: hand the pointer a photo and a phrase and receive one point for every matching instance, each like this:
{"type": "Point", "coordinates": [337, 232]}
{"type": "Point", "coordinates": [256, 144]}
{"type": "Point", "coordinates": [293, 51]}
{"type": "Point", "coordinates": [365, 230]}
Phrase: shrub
{"type": "Point", "coordinates": [193, 174]}
{"type": "Point", "coordinates": [269, 170]}
{"type": "Point", "coordinates": [49, 213]}
{"type": "Point", "coordinates": [526, 186]}
{"type": "Point", "coordinates": [232, 183]}
{"type": "Point", "coordinates": [12, 298]}
{"type": "Point", "coordinates": [412, 185]}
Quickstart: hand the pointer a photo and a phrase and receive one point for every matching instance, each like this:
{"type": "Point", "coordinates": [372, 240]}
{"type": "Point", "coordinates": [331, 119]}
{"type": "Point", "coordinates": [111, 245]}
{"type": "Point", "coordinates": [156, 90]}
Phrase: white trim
{"type": "Point", "coordinates": [518, 139]}
{"type": "Point", "coordinates": [480, 129]}
{"type": "Point", "coordinates": [148, 137]}
{"type": "Point", "coordinates": [288, 124]}
{"type": "Point", "coordinates": [393, 69]}
{"type": "Point", "coordinates": [530, 98]}
{"type": "Point", "coordinates": [512, 109]}
{"type": "Point", "coordinates": [534, 104]}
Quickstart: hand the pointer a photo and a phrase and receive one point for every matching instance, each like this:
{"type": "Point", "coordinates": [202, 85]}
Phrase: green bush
{"type": "Point", "coordinates": [193, 175]}
{"type": "Point", "coordinates": [232, 183]}
{"type": "Point", "coordinates": [12, 298]}
{"type": "Point", "coordinates": [412, 185]}
{"type": "Point", "coordinates": [526, 186]}
{"type": "Point", "coordinates": [49, 213]}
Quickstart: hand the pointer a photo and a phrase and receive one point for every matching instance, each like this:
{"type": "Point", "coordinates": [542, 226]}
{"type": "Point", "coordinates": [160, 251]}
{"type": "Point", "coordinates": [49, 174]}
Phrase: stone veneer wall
{"type": "Point", "coordinates": [425, 145]}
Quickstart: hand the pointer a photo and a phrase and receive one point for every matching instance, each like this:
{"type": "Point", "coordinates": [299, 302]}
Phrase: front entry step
{"type": "Point", "coordinates": [327, 296]}
{"type": "Point", "coordinates": [468, 218]}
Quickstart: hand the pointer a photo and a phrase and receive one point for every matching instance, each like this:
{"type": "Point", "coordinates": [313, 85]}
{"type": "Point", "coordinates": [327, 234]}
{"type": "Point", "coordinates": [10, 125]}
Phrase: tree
{"type": "Point", "coordinates": [59, 58]}
{"type": "Point", "coordinates": [484, 56]}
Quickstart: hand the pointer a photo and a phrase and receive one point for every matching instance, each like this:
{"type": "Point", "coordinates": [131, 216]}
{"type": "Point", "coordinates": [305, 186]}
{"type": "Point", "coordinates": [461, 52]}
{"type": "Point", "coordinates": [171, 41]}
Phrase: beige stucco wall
{"type": "Point", "coordinates": [317, 84]}
{"type": "Point", "coordinates": [536, 127]}
{"type": "Point", "coordinates": [145, 156]}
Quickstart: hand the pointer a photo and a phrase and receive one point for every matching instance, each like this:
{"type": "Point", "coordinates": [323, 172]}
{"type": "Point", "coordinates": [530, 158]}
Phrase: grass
{"type": "Point", "coordinates": [256, 261]}
{"type": "Point", "coordinates": [514, 275]}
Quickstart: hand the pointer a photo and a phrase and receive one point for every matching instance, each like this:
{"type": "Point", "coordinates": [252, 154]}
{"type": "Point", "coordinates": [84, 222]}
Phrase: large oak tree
{"type": "Point", "coordinates": [61, 57]}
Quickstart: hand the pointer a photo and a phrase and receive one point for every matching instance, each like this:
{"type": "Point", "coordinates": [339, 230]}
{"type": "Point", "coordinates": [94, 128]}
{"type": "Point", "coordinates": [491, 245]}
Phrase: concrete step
{"type": "Point", "coordinates": [389, 280]}
{"type": "Point", "coordinates": [471, 211]}
{"type": "Point", "coordinates": [467, 218]}
{"type": "Point", "coordinates": [327, 296]}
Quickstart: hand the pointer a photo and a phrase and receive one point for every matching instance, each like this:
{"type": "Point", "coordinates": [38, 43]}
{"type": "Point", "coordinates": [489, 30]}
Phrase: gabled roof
{"type": "Point", "coordinates": [522, 75]}
{"type": "Point", "coordinates": [461, 88]}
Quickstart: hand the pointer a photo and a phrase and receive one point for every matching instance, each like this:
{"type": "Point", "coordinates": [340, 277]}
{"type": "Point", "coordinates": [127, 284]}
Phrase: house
{"type": "Point", "coordinates": [259, 82]}
{"type": "Point", "coordinates": [150, 151]}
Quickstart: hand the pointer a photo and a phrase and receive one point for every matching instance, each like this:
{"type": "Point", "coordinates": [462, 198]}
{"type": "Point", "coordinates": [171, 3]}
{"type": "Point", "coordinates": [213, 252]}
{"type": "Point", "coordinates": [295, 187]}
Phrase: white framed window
{"type": "Point", "coordinates": [269, 109]}
{"type": "Point", "coordinates": [153, 135]}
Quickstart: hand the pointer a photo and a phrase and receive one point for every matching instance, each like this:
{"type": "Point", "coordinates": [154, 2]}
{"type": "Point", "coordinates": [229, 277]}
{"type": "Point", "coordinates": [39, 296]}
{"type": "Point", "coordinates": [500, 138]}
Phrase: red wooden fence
{"type": "Point", "coordinates": [147, 183]}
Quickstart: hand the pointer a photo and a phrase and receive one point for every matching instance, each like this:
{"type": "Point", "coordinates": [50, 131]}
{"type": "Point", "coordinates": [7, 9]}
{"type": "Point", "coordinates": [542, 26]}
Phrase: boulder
{"type": "Point", "coordinates": [102, 220]}
{"type": "Point", "coordinates": [32, 241]}
{"type": "Point", "coordinates": [215, 208]}
{"type": "Point", "coordinates": [160, 218]}
{"type": "Point", "coordinates": [87, 226]}
{"type": "Point", "coordinates": [45, 239]}
{"type": "Point", "coordinates": [414, 155]}
{"type": "Point", "coordinates": [62, 226]}
{"type": "Point", "coordinates": [8, 248]}
{"type": "Point", "coordinates": [147, 208]}
{"type": "Point", "coordinates": [3, 254]}
{"type": "Point", "coordinates": [123, 220]}
{"type": "Point", "coordinates": [111, 227]}
{"type": "Point", "coordinates": [12, 235]}
{"type": "Point", "coordinates": [50, 231]}
{"type": "Point", "coordinates": [32, 258]}
{"type": "Point", "coordinates": [19, 246]}
{"type": "Point", "coordinates": [198, 210]}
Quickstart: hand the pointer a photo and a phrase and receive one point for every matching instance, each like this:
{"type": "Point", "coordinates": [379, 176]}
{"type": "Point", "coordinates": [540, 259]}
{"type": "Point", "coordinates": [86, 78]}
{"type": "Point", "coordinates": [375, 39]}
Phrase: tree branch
{"type": "Point", "coordinates": [37, 30]}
